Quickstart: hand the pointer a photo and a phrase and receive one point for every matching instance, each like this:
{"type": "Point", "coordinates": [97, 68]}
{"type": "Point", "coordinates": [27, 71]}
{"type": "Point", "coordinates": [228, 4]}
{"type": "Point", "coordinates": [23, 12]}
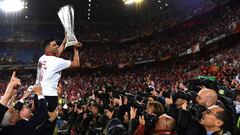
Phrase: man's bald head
{"type": "Point", "coordinates": [207, 97]}
{"type": "Point", "coordinates": [165, 123]}
{"type": "Point", "coordinates": [10, 117]}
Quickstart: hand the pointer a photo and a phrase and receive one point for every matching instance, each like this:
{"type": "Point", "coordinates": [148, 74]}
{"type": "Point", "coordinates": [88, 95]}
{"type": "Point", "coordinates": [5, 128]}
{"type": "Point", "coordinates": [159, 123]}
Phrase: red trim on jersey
{"type": "Point", "coordinates": [50, 54]}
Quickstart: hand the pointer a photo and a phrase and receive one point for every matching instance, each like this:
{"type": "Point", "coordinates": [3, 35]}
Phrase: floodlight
{"type": "Point", "coordinates": [128, 2]}
{"type": "Point", "coordinates": [138, 1]}
{"type": "Point", "coordinates": [12, 5]}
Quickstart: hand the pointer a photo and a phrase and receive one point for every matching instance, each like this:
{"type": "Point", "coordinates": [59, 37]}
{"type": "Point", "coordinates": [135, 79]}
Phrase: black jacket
{"type": "Point", "coordinates": [29, 127]}
{"type": "Point", "coordinates": [187, 126]}
{"type": "Point", "coordinates": [3, 110]}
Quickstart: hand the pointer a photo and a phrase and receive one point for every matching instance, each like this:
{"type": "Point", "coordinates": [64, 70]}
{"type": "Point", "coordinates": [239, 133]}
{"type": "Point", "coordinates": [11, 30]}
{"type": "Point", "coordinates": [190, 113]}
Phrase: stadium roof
{"type": "Point", "coordinates": [88, 10]}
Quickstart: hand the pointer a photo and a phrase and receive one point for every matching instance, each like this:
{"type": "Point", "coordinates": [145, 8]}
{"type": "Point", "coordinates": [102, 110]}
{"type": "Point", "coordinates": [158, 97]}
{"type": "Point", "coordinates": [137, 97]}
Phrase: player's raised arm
{"type": "Point", "coordinates": [62, 46]}
{"type": "Point", "coordinates": [76, 60]}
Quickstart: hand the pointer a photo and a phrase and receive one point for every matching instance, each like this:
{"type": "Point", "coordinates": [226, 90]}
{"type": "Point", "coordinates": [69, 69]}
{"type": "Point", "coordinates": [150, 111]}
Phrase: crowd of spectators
{"type": "Point", "coordinates": [164, 44]}
{"type": "Point", "coordinates": [7, 57]}
{"type": "Point", "coordinates": [19, 53]}
{"type": "Point", "coordinates": [165, 75]}
{"type": "Point", "coordinates": [110, 103]}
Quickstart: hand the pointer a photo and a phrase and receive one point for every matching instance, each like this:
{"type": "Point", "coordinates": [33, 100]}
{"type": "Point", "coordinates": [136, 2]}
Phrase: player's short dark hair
{"type": "Point", "coordinates": [46, 42]}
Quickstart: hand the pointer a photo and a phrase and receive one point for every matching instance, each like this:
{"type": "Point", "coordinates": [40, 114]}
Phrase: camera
{"type": "Point", "coordinates": [189, 96]}
{"type": "Point", "coordinates": [196, 84]}
{"type": "Point", "coordinates": [196, 110]}
{"type": "Point", "coordinates": [150, 120]}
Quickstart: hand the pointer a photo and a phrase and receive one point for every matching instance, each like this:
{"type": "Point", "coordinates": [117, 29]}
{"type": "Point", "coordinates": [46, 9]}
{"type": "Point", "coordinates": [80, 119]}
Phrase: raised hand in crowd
{"type": "Point", "coordinates": [142, 120]}
{"type": "Point", "coordinates": [37, 90]}
{"type": "Point", "coordinates": [27, 93]}
{"type": "Point", "coordinates": [169, 101]}
{"type": "Point", "coordinates": [11, 89]}
{"type": "Point", "coordinates": [133, 113]}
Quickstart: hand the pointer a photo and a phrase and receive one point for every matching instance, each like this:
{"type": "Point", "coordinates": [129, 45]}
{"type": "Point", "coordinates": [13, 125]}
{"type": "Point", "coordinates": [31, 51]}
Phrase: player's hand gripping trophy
{"type": "Point", "coordinates": [66, 15]}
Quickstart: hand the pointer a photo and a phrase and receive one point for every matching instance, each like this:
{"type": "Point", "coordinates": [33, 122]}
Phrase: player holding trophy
{"type": "Point", "coordinates": [50, 64]}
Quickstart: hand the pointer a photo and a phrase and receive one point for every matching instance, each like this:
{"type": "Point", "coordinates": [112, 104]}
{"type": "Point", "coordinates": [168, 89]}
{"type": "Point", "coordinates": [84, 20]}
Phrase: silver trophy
{"type": "Point", "coordinates": [66, 15]}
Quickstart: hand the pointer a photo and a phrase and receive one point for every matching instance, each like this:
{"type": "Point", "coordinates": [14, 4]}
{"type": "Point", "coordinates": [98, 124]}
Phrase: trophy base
{"type": "Point", "coordinates": [72, 43]}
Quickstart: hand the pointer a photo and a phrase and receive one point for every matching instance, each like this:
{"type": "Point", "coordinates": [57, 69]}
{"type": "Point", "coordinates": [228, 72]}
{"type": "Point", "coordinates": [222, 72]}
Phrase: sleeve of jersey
{"type": "Point", "coordinates": [62, 64]}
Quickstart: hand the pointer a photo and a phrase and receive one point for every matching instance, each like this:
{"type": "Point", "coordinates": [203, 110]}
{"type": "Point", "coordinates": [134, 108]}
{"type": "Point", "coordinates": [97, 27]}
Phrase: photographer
{"type": "Point", "coordinates": [148, 118]}
{"type": "Point", "coordinates": [186, 123]}
{"type": "Point", "coordinates": [88, 119]}
{"type": "Point", "coordinates": [173, 106]}
{"type": "Point", "coordinates": [95, 128]}
{"type": "Point", "coordinates": [213, 120]}
{"type": "Point", "coordinates": [83, 120]}
{"type": "Point", "coordinates": [114, 125]}
{"type": "Point", "coordinates": [119, 104]}
{"type": "Point", "coordinates": [67, 116]}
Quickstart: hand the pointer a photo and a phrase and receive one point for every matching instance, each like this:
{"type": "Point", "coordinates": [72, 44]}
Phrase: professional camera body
{"type": "Point", "coordinates": [191, 95]}
{"type": "Point", "coordinates": [195, 109]}
{"type": "Point", "coordinates": [150, 120]}
{"type": "Point", "coordinates": [139, 101]}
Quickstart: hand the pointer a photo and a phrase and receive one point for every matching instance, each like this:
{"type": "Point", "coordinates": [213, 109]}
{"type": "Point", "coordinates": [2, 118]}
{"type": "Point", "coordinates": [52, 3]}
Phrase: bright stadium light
{"type": "Point", "coordinates": [138, 1]}
{"type": "Point", "coordinates": [12, 5]}
{"type": "Point", "coordinates": [128, 2]}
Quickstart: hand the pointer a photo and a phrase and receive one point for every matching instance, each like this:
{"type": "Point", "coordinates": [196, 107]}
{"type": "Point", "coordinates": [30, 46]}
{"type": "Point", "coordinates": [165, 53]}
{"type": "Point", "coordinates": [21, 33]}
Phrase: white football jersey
{"type": "Point", "coordinates": [49, 72]}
